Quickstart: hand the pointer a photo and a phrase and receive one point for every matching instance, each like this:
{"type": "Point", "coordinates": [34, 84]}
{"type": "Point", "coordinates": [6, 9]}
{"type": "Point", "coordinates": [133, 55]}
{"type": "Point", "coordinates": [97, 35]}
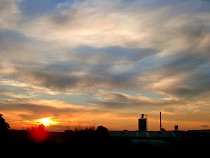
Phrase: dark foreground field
{"type": "Point", "coordinates": [62, 144]}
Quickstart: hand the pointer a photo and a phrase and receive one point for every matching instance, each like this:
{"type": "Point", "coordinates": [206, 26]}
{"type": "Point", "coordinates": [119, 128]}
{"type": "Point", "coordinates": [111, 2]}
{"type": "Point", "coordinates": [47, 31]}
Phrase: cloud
{"type": "Point", "coordinates": [128, 102]}
{"type": "Point", "coordinates": [24, 114]}
{"type": "Point", "coordinates": [9, 14]}
{"type": "Point", "coordinates": [183, 74]}
{"type": "Point", "coordinates": [115, 24]}
{"type": "Point", "coordinates": [205, 126]}
{"type": "Point", "coordinates": [87, 67]}
{"type": "Point", "coordinates": [85, 23]}
{"type": "Point", "coordinates": [112, 44]}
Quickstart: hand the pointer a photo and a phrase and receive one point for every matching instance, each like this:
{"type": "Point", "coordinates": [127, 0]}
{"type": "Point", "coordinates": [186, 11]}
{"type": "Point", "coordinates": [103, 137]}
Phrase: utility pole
{"type": "Point", "coordinates": [160, 122]}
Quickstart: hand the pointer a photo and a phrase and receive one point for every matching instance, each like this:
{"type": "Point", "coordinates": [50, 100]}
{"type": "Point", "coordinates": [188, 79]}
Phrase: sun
{"type": "Point", "coordinates": [47, 121]}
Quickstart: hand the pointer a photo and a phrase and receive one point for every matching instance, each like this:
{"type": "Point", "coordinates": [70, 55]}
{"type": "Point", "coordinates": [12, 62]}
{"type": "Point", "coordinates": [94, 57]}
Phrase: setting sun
{"type": "Point", "coordinates": [47, 121]}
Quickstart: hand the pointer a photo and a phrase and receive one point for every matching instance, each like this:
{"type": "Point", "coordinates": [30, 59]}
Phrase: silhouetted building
{"type": "Point", "coordinates": [176, 127]}
{"type": "Point", "coordinates": [142, 123]}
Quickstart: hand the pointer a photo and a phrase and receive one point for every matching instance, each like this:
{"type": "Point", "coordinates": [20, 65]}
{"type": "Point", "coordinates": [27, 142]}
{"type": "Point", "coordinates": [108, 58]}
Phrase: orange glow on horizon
{"type": "Point", "coordinates": [47, 121]}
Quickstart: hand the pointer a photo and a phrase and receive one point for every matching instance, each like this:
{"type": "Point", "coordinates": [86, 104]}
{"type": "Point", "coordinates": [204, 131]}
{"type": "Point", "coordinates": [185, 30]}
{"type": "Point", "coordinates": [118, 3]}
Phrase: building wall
{"type": "Point", "coordinates": [142, 124]}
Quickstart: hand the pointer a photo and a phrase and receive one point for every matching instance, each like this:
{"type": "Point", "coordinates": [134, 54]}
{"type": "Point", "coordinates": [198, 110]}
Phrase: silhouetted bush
{"type": "Point", "coordinates": [101, 132]}
{"type": "Point", "coordinates": [4, 126]}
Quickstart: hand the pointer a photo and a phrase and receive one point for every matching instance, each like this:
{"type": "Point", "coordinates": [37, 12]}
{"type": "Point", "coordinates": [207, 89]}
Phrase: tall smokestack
{"type": "Point", "coordinates": [160, 122]}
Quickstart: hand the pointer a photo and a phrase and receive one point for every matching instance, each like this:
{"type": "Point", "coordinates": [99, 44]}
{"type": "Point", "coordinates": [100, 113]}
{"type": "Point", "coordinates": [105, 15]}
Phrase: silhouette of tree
{"type": "Point", "coordinates": [102, 131]}
{"type": "Point", "coordinates": [4, 126]}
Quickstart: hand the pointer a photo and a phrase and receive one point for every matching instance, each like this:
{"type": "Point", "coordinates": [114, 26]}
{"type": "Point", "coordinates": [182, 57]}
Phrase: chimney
{"type": "Point", "coordinates": [142, 123]}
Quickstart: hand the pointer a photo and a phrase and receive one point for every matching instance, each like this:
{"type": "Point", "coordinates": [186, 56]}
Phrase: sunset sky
{"type": "Point", "coordinates": [85, 63]}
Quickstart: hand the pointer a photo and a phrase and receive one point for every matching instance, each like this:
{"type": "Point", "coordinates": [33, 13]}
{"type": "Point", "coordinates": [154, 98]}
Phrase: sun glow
{"type": "Point", "coordinates": [47, 121]}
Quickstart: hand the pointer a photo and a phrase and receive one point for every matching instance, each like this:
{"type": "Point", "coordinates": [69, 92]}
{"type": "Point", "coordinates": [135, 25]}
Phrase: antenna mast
{"type": "Point", "coordinates": [160, 122]}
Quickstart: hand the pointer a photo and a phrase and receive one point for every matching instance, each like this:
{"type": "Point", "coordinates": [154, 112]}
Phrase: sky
{"type": "Point", "coordinates": [85, 63]}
